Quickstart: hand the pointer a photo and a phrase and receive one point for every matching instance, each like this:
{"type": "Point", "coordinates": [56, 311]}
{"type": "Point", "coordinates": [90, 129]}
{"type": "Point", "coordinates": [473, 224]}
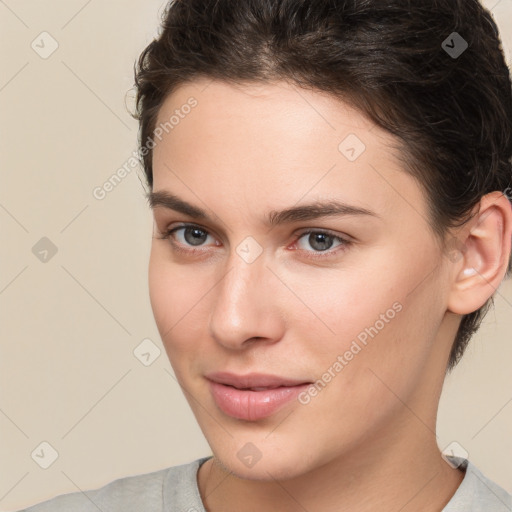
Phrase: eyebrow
{"type": "Point", "coordinates": [314, 210]}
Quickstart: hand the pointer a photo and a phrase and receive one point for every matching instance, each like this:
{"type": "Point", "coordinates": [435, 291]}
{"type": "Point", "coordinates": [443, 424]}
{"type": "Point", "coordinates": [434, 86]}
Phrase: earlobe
{"type": "Point", "coordinates": [485, 255]}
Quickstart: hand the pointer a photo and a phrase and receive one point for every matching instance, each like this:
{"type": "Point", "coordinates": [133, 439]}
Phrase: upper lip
{"type": "Point", "coordinates": [253, 380]}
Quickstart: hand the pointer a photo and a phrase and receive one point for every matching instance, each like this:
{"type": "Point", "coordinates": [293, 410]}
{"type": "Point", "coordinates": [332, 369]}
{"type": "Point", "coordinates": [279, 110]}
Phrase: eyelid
{"type": "Point", "coordinates": [329, 232]}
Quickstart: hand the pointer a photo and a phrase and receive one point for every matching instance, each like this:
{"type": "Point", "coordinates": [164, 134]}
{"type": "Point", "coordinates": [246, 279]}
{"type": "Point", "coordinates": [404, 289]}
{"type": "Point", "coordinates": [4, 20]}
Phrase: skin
{"type": "Point", "coordinates": [367, 440]}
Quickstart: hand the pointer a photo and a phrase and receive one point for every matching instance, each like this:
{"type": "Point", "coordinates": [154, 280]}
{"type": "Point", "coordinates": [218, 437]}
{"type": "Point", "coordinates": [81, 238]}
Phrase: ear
{"type": "Point", "coordinates": [484, 254]}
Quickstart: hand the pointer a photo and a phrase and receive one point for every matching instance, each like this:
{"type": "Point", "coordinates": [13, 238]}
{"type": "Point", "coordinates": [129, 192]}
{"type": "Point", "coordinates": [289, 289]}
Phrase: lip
{"type": "Point", "coordinates": [253, 396]}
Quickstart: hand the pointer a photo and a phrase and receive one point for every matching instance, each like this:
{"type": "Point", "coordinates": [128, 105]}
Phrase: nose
{"type": "Point", "coordinates": [245, 306]}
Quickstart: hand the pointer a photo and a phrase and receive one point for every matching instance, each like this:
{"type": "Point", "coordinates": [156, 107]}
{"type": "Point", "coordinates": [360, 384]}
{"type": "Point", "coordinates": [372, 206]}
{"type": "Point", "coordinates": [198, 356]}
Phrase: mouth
{"type": "Point", "coordinates": [258, 389]}
{"type": "Point", "coordinates": [254, 381]}
{"type": "Point", "coordinates": [254, 396]}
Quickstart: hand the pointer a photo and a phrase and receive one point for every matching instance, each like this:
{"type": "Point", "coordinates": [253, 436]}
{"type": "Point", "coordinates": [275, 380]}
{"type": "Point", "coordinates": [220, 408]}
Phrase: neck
{"type": "Point", "coordinates": [402, 470]}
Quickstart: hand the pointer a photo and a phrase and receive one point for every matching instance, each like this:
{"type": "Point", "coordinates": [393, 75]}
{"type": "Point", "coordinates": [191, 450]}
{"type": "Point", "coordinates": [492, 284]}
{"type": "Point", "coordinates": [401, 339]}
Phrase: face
{"type": "Point", "coordinates": [296, 336]}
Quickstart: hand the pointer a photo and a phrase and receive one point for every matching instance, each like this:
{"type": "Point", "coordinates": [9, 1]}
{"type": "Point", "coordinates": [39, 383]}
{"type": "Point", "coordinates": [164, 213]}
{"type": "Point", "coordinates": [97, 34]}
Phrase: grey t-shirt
{"type": "Point", "coordinates": [175, 489]}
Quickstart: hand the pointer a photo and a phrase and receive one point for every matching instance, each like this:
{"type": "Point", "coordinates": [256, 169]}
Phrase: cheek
{"type": "Point", "coordinates": [395, 348]}
{"type": "Point", "coordinates": [375, 318]}
{"type": "Point", "coordinates": [179, 300]}
{"type": "Point", "coordinates": [160, 290]}
{"type": "Point", "coordinates": [337, 306]}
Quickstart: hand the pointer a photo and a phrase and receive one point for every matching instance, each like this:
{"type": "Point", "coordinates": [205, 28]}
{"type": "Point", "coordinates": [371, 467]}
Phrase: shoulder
{"type": "Point", "coordinates": [133, 493]}
{"type": "Point", "coordinates": [477, 493]}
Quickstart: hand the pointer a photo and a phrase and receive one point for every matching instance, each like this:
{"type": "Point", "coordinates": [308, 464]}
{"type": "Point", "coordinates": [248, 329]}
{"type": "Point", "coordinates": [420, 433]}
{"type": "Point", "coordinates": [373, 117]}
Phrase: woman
{"type": "Point", "coordinates": [330, 183]}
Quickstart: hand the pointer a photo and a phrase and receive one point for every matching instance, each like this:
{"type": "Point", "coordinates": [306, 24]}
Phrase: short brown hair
{"type": "Point", "coordinates": [394, 61]}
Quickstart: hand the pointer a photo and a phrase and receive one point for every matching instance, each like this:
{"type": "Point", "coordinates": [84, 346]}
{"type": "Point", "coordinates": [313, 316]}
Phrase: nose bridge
{"type": "Point", "coordinates": [243, 306]}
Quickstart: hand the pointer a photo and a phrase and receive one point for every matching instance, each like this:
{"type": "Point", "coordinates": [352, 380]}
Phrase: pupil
{"type": "Point", "coordinates": [318, 241]}
{"type": "Point", "coordinates": [198, 236]}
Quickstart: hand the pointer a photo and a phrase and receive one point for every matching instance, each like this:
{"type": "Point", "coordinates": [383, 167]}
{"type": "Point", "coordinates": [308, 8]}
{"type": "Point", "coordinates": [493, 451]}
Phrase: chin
{"type": "Point", "coordinates": [263, 461]}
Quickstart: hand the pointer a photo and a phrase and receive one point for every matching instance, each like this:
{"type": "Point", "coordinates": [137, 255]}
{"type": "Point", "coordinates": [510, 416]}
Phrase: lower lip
{"type": "Point", "coordinates": [252, 405]}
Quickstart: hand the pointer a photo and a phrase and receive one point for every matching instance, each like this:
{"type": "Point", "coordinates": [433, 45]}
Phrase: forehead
{"type": "Point", "coordinates": [275, 143]}
{"type": "Point", "coordinates": [267, 103]}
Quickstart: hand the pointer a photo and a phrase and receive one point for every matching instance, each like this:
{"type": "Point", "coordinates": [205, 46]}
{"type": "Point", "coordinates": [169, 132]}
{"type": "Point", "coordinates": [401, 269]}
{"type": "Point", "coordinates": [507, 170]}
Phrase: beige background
{"type": "Point", "coordinates": [69, 325]}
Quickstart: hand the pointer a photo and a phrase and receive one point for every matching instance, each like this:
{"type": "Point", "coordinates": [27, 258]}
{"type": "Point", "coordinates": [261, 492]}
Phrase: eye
{"type": "Point", "coordinates": [192, 235]}
{"type": "Point", "coordinates": [188, 236]}
{"type": "Point", "coordinates": [321, 242]}
{"type": "Point", "coordinates": [185, 237]}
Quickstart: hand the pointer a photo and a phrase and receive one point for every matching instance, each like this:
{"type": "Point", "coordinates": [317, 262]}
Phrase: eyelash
{"type": "Point", "coordinates": [167, 235]}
